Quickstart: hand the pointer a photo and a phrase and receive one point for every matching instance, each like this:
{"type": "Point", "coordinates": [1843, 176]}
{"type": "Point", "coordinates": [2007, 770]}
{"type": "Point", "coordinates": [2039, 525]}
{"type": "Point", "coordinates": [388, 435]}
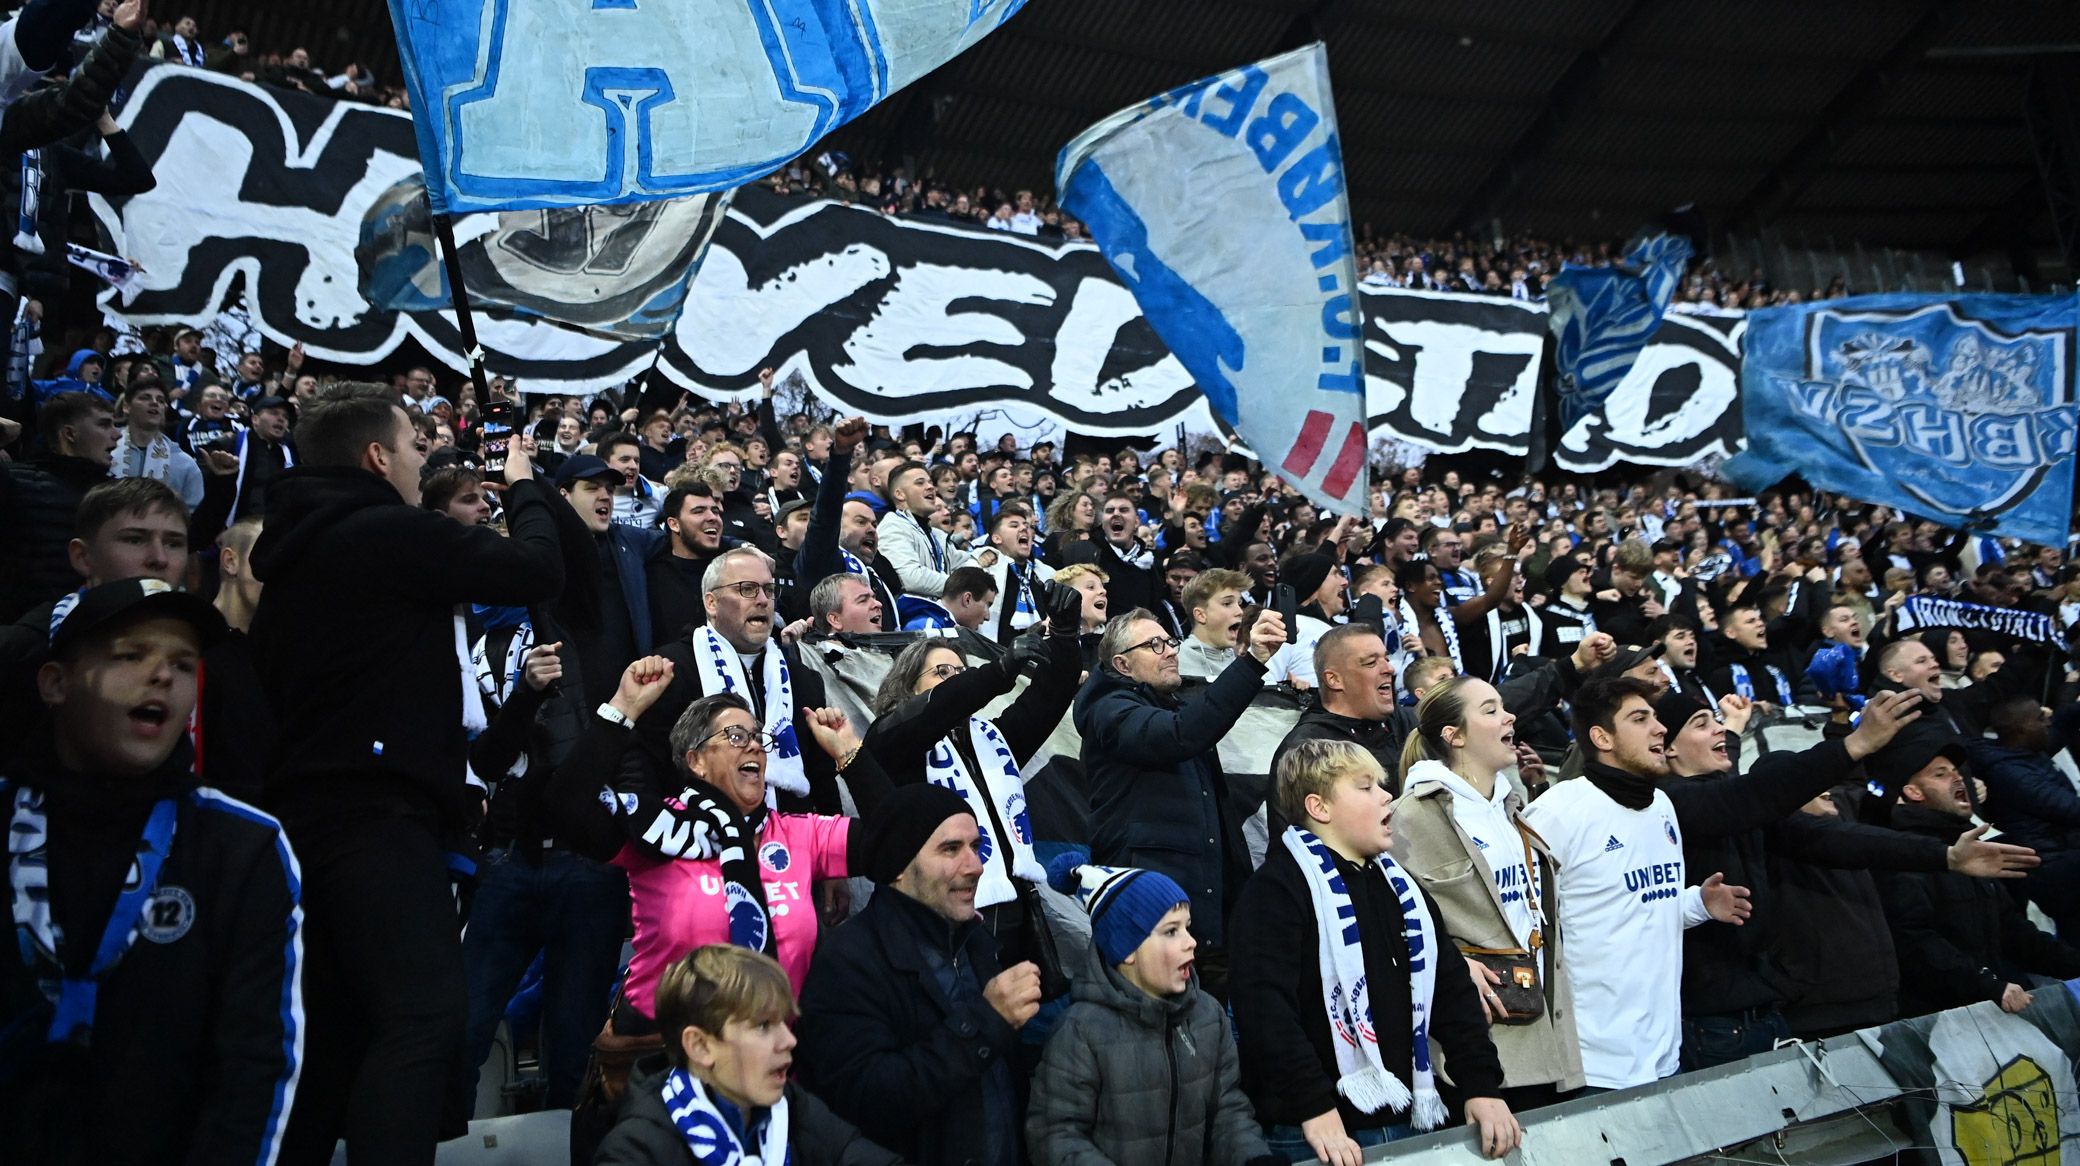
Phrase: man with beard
{"type": "Point", "coordinates": [918, 550]}
{"type": "Point", "coordinates": [1677, 635]}
{"type": "Point", "coordinates": [1961, 937]}
{"type": "Point", "coordinates": [1446, 548]}
{"type": "Point", "coordinates": [693, 537]}
{"type": "Point", "coordinates": [1261, 564]}
{"type": "Point", "coordinates": [1732, 998]}
{"type": "Point", "coordinates": [1743, 664]}
{"type": "Point", "coordinates": [843, 534]}
{"type": "Point", "coordinates": [1129, 565]}
{"type": "Point", "coordinates": [1159, 799]}
{"type": "Point", "coordinates": [1021, 581]}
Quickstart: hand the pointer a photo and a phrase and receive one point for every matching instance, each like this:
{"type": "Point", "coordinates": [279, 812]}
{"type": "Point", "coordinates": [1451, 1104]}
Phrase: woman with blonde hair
{"type": "Point", "coordinates": [1458, 832]}
{"type": "Point", "coordinates": [719, 1093]}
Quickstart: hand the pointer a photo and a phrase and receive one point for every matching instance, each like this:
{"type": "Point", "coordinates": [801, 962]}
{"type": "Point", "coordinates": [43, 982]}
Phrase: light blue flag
{"type": "Point", "coordinates": [1959, 409]}
{"type": "Point", "coordinates": [545, 103]}
{"type": "Point", "coordinates": [1603, 317]}
{"type": "Point", "coordinates": [1221, 205]}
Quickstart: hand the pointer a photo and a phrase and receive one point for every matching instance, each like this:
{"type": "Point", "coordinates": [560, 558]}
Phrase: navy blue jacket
{"type": "Point", "coordinates": [1158, 795]}
{"type": "Point", "coordinates": [2027, 796]}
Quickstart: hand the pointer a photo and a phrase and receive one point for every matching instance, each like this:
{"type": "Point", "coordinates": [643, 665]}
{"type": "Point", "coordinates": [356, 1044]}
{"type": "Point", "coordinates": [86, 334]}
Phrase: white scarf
{"type": "Point", "coordinates": [1498, 644]}
{"type": "Point", "coordinates": [722, 670]}
{"type": "Point", "coordinates": [288, 463]}
{"type": "Point", "coordinates": [708, 1134]}
{"type": "Point", "coordinates": [158, 456]}
{"type": "Point", "coordinates": [1140, 556]}
{"type": "Point", "coordinates": [1361, 1076]}
{"type": "Point", "coordinates": [499, 685]}
{"type": "Point", "coordinates": [1001, 785]}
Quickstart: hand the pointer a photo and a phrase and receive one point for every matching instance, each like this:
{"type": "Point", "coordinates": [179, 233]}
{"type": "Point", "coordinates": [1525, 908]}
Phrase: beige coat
{"type": "Point", "coordinates": [1429, 844]}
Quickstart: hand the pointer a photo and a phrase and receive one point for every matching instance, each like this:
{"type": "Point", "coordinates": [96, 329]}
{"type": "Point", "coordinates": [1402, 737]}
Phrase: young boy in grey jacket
{"type": "Point", "coordinates": [1142, 1068]}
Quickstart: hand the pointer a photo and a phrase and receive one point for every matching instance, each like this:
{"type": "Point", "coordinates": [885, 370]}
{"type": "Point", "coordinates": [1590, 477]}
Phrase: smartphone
{"type": "Point", "coordinates": [498, 434]}
{"type": "Point", "coordinates": [1286, 602]}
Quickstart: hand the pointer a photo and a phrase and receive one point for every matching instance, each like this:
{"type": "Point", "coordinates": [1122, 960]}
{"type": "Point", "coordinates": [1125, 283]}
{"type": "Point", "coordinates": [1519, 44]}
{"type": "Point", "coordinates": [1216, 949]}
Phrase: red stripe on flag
{"type": "Point", "coordinates": [1349, 464]}
{"type": "Point", "coordinates": [1307, 448]}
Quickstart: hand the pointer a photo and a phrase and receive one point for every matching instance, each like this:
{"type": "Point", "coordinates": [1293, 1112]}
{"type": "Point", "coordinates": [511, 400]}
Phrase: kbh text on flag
{"type": "Point", "coordinates": [1222, 207]}
{"type": "Point", "coordinates": [1958, 409]}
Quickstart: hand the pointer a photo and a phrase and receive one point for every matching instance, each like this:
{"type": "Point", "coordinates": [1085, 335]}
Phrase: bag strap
{"type": "Point", "coordinates": [1538, 938]}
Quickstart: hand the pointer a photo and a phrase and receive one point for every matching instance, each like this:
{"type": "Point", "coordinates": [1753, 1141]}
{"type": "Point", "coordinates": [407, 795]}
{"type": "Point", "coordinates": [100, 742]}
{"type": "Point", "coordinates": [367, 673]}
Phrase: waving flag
{"type": "Point", "coordinates": [1959, 409]}
{"type": "Point", "coordinates": [1221, 205]}
{"type": "Point", "coordinates": [1603, 317]}
{"type": "Point", "coordinates": [543, 103]}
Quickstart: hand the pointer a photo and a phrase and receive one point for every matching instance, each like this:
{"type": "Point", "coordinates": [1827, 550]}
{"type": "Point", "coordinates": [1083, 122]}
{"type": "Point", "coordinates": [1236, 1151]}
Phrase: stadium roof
{"type": "Point", "coordinates": [1888, 122]}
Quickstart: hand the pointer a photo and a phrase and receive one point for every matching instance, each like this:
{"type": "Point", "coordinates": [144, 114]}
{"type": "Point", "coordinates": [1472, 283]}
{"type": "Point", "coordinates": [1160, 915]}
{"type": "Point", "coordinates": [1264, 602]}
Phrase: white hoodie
{"type": "Point", "coordinates": [1501, 846]}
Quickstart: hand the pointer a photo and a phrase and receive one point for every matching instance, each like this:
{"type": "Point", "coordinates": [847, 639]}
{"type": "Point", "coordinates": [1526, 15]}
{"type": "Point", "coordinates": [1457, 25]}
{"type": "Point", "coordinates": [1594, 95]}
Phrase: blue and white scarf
{"type": "Point", "coordinates": [1000, 785]}
{"type": "Point", "coordinates": [721, 669]}
{"type": "Point", "coordinates": [710, 1136]}
{"type": "Point", "coordinates": [1362, 1077]}
{"type": "Point", "coordinates": [1744, 682]}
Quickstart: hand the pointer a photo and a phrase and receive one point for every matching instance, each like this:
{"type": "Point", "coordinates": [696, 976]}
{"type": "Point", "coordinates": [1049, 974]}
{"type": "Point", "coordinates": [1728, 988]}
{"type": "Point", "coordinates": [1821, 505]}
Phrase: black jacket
{"type": "Point", "coordinates": [1128, 585]}
{"type": "Point", "coordinates": [1158, 795]}
{"type": "Point", "coordinates": [56, 112]}
{"type": "Point", "coordinates": [1830, 947]}
{"type": "Point", "coordinates": [189, 1062]}
{"type": "Point", "coordinates": [892, 1051]}
{"type": "Point", "coordinates": [1382, 739]}
{"type": "Point", "coordinates": [355, 637]}
{"type": "Point", "coordinates": [38, 499]}
{"type": "Point", "coordinates": [902, 737]}
{"type": "Point", "coordinates": [1960, 939]}
{"type": "Point", "coordinates": [1288, 1058]}
{"type": "Point", "coordinates": [643, 1134]}
{"type": "Point", "coordinates": [68, 170]}
{"type": "Point", "coordinates": [2027, 796]}
{"type": "Point", "coordinates": [1730, 969]}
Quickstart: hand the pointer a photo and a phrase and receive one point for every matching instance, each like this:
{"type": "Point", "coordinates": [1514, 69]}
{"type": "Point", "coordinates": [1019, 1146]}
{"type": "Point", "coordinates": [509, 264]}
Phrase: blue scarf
{"type": "Point", "coordinates": [710, 1125]}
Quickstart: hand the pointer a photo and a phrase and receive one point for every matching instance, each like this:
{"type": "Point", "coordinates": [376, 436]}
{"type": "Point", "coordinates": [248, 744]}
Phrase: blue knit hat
{"type": "Point", "coordinates": [1125, 903]}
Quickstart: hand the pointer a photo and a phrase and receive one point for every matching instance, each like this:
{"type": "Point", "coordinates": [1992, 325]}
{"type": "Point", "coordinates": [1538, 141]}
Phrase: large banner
{"type": "Point", "coordinates": [1959, 408]}
{"type": "Point", "coordinates": [893, 318]}
{"type": "Point", "coordinates": [1221, 205]}
{"type": "Point", "coordinates": [551, 103]}
{"type": "Point", "coordinates": [1603, 318]}
{"type": "Point", "coordinates": [1990, 1088]}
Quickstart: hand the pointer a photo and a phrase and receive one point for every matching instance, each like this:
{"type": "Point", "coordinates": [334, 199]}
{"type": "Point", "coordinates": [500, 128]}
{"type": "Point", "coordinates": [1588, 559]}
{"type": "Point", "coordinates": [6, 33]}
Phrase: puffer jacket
{"type": "Point", "coordinates": [644, 1135]}
{"type": "Point", "coordinates": [1128, 1078]}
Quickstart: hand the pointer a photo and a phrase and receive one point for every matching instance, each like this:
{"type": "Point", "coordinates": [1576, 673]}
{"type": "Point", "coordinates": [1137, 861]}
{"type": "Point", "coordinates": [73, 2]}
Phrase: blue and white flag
{"type": "Point", "coordinates": [1221, 205]}
{"type": "Point", "coordinates": [1959, 409]}
{"type": "Point", "coordinates": [1602, 318]}
{"type": "Point", "coordinates": [524, 104]}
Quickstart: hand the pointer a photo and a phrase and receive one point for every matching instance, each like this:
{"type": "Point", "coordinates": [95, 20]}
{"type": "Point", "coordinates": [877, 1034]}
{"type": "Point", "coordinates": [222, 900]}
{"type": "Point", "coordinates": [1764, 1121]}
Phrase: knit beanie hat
{"type": "Point", "coordinates": [1125, 903]}
{"type": "Point", "coordinates": [1560, 570]}
{"type": "Point", "coordinates": [1674, 710]}
{"type": "Point", "coordinates": [899, 827]}
{"type": "Point", "coordinates": [1306, 573]}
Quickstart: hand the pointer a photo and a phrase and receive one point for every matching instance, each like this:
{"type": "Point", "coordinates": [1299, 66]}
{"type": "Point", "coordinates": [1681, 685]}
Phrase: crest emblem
{"type": "Point", "coordinates": [747, 920]}
{"type": "Point", "coordinates": [168, 916]}
{"type": "Point", "coordinates": [1965, 416]}
{"type": "Point", "coordinates": [775, 857]}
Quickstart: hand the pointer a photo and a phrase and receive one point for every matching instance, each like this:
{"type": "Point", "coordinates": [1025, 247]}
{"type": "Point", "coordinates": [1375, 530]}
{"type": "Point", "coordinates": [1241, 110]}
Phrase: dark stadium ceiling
{"type": "Point", "coordinates": [1887, 122]}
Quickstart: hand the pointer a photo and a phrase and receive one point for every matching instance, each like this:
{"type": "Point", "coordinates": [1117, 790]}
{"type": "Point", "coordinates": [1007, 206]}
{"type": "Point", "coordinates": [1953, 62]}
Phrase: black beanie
{"type": "Point", "coordinates": [1674, 710]}
{"type": "Point", "coordinates": [1306, 573]}
{"type": "Point", "coordinates": [899, 827]}
{"type": "Point", "coordinates": [1560, 570]}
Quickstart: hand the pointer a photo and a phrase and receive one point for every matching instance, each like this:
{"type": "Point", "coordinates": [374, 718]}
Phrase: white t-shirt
{"type": "Point", "coordinates": [1487, 822]}
{"type": "Point", "coordinates": [1294, 660]}
{"type": "Point", "coordinates": [1624, 901]}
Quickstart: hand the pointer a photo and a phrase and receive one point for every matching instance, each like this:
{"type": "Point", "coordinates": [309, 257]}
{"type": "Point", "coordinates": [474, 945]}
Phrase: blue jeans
{"type": "Point", "coordinates": [1729, 1037]}
{"type": "Point", "coordinates": [572, 911]}
{"type": "Point", "coordinates": [1289, 1143]}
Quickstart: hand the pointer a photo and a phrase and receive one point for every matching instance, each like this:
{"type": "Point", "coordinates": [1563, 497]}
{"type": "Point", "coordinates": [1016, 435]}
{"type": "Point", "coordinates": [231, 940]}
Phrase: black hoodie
{"type": "Point", "coordinates": [354, 637]}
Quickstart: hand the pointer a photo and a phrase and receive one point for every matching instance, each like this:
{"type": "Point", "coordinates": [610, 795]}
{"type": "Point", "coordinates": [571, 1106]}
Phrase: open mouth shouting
{"type": "Point", "coordinates": [150, 718]}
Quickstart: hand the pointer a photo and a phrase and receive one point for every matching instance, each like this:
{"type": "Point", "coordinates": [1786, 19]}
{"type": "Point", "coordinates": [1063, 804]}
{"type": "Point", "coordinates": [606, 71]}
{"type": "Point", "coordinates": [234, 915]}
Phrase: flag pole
{"type": "Point", "coordinates": [465, 323]}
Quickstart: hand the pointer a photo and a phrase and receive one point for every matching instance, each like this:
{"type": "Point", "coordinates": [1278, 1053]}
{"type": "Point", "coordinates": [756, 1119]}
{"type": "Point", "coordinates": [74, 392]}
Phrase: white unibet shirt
{"type": "Point", "coordinates": [1624, 904]}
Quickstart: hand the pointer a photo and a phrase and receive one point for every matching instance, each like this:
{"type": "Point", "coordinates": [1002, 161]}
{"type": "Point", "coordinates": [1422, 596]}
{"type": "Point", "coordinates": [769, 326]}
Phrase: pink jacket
{"type": "Point", "coordinates": [679, 905]}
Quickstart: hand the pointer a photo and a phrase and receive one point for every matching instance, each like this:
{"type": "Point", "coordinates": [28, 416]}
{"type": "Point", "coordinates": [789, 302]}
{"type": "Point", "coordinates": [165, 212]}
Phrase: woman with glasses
{"type": "Point", "coordinates": [927, 727]}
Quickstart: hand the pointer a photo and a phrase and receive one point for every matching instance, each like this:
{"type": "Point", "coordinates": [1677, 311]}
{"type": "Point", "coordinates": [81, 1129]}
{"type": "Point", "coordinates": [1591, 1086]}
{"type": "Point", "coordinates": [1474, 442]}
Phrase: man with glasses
{"type": "Point", "coordinates": [736, 651]}
{"type": "Point", "coordinates": [355, 638]}
{"type": "Point", "coordinates": [1159, 800]}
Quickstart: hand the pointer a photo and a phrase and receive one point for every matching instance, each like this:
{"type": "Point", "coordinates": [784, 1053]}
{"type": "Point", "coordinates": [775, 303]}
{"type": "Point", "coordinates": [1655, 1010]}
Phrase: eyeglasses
{"type": "Point", "coordinates": [748, 589]}
{"type": "Point", "coordinates": [946, 671]}
{"type": "Point", "coordinates": [1160, 645]}
{"type": "Point", "coordinates": [741, 738]}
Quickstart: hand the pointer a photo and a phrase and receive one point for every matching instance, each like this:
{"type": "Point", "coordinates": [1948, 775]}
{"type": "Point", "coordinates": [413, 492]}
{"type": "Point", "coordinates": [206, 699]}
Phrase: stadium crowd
{"type": "Point", "coordinates": [908, 767]}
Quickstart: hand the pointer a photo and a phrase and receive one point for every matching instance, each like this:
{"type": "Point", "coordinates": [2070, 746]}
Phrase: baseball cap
{"type": "Point", "coordinates": [584, 467]}
{"type": "Point", "coordinates": [90, 609]}
{"type": "Point", "coordinates": [271, 402]}
{"type": "Point", "coordinates": [780, 519]}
